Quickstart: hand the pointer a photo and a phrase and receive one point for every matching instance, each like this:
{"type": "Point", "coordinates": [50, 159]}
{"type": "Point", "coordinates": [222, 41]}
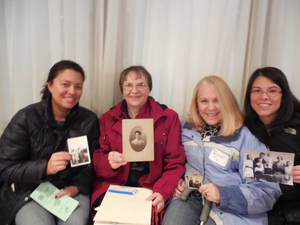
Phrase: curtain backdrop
{"type": "Point", "coordinates": [177, 41]}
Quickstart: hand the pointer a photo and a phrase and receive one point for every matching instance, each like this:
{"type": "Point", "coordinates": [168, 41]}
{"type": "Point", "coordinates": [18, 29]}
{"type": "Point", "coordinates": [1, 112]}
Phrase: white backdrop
{"type": "Point", "coordinates": [177, 41]}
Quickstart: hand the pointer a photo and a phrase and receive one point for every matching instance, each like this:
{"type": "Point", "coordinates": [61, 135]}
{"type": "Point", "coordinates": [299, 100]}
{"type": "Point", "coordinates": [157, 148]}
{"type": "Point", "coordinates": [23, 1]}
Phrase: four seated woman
{"type": "Point", "coordinates": [214, 141]}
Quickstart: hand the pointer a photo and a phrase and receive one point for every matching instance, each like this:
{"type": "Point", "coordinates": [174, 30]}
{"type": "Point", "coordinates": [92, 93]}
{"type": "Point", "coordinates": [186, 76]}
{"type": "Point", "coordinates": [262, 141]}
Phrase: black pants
{"type": "Point", "coordinates": [275, 217]}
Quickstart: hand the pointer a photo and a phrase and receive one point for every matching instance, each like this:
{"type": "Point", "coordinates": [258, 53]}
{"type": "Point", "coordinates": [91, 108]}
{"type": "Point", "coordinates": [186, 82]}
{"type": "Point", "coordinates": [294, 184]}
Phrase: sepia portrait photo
{"type": "Point", "coordinates": [268, 166]}
{"type": "Point", "coordinates": [138, 140]}
{"type": "Point", "coordinates": [79, 149]}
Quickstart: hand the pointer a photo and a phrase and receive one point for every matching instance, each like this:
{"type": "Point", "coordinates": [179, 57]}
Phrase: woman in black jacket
{"type": "Point", "coordinates": [33, 149]}
{"type": "Point", "coordinates": [272, 114]}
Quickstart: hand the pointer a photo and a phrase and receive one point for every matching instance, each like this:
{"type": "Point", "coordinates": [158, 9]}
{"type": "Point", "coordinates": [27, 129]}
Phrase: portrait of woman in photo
{"type": "Point", "coordinates": [138, 144]}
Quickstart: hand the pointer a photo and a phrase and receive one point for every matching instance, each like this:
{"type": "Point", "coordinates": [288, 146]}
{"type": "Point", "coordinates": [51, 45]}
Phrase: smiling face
{"type": "Point", "coordinates": [208, 105]}
{"type": "Point", "coordinates": [66, 90]}
{"type": "Point", "coordinates": [265, 106]}
{"type": "Point", "coordinates": [135, 98]}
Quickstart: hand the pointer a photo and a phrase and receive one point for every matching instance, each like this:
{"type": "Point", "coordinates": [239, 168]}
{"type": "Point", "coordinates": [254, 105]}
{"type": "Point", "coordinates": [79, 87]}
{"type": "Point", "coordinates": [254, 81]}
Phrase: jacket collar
{"type": "Point", "coordinates": [49, 111]}
{"type": "Point", "coordinates": [151, 109]}
{"type": "Point", "coordinates": [216, 138]}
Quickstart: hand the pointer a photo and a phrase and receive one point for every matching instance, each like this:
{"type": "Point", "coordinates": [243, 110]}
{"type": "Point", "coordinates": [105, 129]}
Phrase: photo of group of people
{"type": "Point", "coordinates": [79, 155]}
{"type": "Point", "coordinates": [194, 180]}
{"type": "Point", "coordinates": [79, 149]}
{"type": "Point", "coordinates": [269, 166]}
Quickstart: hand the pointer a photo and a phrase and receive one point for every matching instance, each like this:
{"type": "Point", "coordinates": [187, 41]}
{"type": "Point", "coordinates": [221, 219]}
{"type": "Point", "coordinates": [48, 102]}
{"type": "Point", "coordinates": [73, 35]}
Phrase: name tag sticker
{"type": "Point", "coordinates": [218, 157]}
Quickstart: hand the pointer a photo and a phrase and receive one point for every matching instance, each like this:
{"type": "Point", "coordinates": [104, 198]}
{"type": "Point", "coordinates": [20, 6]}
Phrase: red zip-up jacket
{"type": "Point", "coordinates": [169, 157]}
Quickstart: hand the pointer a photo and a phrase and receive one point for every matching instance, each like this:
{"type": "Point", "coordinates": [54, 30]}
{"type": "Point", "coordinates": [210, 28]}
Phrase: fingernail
{"type": "Point", "coordinates": [55, 196]}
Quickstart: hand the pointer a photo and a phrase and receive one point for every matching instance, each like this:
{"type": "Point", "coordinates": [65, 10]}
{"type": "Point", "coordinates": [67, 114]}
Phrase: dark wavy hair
{"type": "Point", "coordinates": [56, 69]}
{"type": "Point", "coordinates": [289, 104]}
{"type": "Point", "coordinates": [139, 70]}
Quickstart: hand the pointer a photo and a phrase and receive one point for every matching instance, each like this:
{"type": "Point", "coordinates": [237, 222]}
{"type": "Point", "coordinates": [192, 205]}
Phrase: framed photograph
{"type": "Point", "coordinates": [138, 140]}
{"type": "Point", "coordinates": [79, 149]}
{"type": "Point", "coordinates": [268, 166]}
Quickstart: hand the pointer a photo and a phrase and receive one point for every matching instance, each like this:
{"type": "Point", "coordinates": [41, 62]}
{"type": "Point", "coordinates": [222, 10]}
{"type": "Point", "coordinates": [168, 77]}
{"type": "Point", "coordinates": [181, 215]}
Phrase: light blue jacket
{"type": "Point", "coordinates": [243, 201]}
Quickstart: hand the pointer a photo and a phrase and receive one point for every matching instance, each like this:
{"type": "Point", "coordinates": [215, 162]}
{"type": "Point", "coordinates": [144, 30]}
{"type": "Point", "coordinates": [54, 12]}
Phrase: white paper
{"type": "Point", "coordinates": [125, 205]}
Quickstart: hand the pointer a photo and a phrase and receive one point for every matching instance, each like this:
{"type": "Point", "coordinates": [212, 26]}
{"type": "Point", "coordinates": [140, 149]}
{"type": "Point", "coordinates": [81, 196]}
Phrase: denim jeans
{"type": "Point", "coordinates": [187, 212]}
{"type": "Point", "coordinates": [34, 214]}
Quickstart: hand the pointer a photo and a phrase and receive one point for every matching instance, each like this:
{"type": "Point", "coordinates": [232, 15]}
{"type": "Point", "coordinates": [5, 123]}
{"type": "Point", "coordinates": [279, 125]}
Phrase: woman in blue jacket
{"type": "Point", "coordinates": [214, 141]}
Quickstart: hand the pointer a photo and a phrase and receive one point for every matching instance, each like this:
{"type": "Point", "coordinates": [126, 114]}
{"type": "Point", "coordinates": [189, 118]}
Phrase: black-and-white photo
{"type": "Point", "coordinates": [79, 149]}
{"type": "Point", "coordinates": [194, 181]}
{"type": "Point", "coordinates": [268, 166]}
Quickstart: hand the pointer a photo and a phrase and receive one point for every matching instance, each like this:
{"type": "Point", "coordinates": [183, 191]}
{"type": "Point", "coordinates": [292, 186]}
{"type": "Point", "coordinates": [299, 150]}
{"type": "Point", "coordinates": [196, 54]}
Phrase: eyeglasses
{"type": "Point", "coordinates": [129, 86]}
{"type": "Point", "coordinates": [270, 92]}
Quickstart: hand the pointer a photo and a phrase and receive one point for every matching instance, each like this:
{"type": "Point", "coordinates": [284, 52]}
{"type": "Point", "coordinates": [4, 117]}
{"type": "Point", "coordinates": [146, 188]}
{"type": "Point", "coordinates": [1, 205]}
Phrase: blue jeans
{"type": "Point", "coordinates": [34, 214]}
{"type": "Point", "coordinates": [187, 212]}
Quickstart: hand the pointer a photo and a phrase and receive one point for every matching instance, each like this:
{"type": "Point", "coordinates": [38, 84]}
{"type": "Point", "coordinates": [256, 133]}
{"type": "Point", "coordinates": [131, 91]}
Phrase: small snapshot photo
{"type": "Point", "coordinates": [79, 149]}
{"type": "Point", "coordinates": [194, 181]}
{"type": "Point", "coordinates": [268, 166]}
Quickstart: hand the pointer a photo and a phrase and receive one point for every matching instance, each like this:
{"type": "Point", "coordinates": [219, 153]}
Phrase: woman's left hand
{"type": "Point", "coordinates": [210, 192]}
{"type": "Point", "coordinates": [70, 191]}
{"type": "Point", "coordinates": [157, 200]}
{"type": "Point", "coordinates": [296, 174]}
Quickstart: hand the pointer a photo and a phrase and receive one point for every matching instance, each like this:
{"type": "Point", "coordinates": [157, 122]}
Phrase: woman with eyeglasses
{"type": "Point", "coordinates": [272, 113]}
{"type": "Point", "coordinates": [160, 175]}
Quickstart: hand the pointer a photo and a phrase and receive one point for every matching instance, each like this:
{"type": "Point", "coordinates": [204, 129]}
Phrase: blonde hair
{"type": "Point", "coordinates": [232, 117]}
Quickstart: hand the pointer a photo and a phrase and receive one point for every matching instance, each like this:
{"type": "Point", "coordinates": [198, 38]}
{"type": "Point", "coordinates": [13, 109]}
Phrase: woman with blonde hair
{"type": "Point", "coordinates": [214, 141]}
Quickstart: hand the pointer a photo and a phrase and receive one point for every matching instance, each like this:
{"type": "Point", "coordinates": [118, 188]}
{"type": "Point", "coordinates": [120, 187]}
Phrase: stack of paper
{"type": "Point", "coordinates": [125, 205]}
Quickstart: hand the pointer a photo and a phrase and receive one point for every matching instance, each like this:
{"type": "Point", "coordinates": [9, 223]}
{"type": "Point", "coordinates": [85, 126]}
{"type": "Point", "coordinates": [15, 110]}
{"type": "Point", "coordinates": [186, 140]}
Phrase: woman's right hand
{"type": "Point", "coordinates": [58, 162]}
{"type": "Point", "coordinates": [179, 189]}
{"type": "Point", "coordinates": [116, 160]}
{"type": "Point", "coordinates": [296, 174]}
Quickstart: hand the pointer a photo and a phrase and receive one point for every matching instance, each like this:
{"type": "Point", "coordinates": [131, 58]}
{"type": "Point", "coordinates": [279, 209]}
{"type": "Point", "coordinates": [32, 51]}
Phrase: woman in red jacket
{"type": "Point", "coordinates": [160, 175]}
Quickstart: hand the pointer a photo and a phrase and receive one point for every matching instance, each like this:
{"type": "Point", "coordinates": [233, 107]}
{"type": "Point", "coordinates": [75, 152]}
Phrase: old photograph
{"type": "Point", "coordinates": [138, 140]}
{"type": "Point", "coordinates": [79, 149]}
{"type": "Point", "coordinates": [194, 181]}
{"type": "Point", "coordinates": [268, 166]}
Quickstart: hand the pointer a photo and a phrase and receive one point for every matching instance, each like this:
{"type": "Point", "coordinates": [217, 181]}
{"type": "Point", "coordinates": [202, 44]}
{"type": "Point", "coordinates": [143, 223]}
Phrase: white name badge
{"type": "Point", "coordinates": [218, 157]}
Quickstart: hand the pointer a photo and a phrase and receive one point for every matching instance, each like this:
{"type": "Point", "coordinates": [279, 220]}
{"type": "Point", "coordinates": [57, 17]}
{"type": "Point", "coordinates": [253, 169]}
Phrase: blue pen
{"type": "Point", "coordinates": [121, 192]}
